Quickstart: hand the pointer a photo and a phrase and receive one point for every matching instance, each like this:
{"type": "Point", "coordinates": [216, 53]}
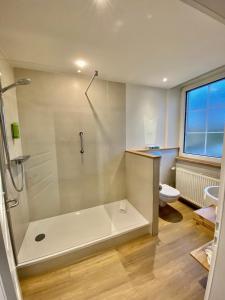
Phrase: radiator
{"type": "Point", "coordinates": [191, 185]}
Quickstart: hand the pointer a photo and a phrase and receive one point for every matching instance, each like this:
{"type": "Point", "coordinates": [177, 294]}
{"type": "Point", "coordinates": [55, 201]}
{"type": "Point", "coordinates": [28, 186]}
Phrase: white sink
{"type": "Point", "coordinates": [211, 193]}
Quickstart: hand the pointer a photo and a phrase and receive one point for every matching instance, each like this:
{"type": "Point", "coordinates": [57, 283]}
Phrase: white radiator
{"type": "Point", "coordinates": [191, 185]}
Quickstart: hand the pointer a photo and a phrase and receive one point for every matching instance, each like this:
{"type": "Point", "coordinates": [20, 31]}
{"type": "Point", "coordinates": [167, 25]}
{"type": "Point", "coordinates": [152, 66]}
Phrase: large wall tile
{"type": "Point", "coordinates": [52, 113]}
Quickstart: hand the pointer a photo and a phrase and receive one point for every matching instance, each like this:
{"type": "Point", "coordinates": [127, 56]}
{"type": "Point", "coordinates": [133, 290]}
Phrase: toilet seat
{"type": "Point", "coordinates": [169, 192]}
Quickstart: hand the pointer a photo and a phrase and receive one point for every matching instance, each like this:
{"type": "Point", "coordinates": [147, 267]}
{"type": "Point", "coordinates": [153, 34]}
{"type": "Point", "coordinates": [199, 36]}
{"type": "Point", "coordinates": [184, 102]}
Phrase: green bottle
{"type": "Point", "coordinates": [15, 130]}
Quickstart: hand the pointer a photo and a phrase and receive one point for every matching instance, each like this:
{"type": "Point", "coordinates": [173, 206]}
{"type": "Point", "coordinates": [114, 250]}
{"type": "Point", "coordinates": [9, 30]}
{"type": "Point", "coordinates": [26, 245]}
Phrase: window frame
{"type": "Point", "coordinates": [184, 91]}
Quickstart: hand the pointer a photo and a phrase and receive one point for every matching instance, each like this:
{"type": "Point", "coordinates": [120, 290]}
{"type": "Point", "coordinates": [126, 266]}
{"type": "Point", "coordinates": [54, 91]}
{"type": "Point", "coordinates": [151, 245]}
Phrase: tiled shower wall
{"type": "Point", "coordinates": [20, 214]}
{"type": "Point", "coordinates": [52, 112]}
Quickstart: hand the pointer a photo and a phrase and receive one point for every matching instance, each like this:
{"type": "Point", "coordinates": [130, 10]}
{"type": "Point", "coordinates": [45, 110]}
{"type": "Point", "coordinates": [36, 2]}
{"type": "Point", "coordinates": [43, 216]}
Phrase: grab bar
{"type": "Point", "coordinates": [81, 134]}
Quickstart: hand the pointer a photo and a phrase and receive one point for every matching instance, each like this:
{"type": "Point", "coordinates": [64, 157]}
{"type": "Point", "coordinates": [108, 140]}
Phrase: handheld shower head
{"type": "Point", "coordinates": [23, 81]}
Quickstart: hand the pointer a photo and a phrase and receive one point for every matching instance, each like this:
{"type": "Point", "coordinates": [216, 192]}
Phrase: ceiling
{"type": "Point", "coordinates": [138, 41]}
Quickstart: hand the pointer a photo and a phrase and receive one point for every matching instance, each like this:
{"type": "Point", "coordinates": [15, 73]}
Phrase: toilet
{"type": "Point", "coordinates": [167, 194]}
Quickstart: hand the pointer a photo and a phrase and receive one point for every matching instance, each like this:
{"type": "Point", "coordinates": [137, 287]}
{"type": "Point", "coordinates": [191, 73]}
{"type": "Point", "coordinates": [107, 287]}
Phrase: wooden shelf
{"type": "Point", "coordinates": [206, 217]}
{"type": "Point", "coordinates": [198, 161]}
{"type": "Point", "coordinates": [200, 256]}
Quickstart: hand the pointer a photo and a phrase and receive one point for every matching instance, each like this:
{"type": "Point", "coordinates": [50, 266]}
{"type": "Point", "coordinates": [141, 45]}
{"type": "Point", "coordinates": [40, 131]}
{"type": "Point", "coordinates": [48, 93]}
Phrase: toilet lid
{"type": "Point", "coordinates": [169, 191]}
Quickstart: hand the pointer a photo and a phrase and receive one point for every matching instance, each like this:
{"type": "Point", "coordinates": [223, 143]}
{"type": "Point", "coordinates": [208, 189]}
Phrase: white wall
{"type": "Point", "coordinates": [152, 116]}
{"type": "Point", "coordinates": [172, 118]}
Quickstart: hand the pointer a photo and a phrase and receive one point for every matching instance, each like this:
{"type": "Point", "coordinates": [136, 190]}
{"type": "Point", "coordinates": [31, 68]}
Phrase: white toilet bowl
{"type": "Point", "coordinates": [167, 194]}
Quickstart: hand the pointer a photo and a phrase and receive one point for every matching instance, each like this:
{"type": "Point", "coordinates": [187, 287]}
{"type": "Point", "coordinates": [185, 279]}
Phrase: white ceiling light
{"type": "Point", "coordinates": [81, 63]}
{"type": "Point", "coordinates": [102, 3]}
{"type": "Point", "coordinates": [165, 79]}
{"type": "Point", "coordinates": [78, 71]}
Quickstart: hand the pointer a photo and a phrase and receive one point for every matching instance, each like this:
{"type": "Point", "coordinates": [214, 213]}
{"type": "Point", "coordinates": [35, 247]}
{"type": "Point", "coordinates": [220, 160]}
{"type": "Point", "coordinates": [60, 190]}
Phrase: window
{"type": "Point", "coordinates": [205, 120]}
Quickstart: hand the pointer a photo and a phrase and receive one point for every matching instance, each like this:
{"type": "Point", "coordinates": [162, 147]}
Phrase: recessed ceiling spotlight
{"type": "Point", "coordinates": [78, 71]}
{"type": "Point", "coordinates": [81, 63]}
{"type": "Point", "coordinates": [165, 79]}
{"type": "Point", "coordinates": [102, 3]}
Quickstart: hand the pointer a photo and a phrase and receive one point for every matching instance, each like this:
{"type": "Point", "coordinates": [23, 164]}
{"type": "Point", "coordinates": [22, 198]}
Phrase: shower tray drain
{"type": "Point", "coordinates": [40, 237]}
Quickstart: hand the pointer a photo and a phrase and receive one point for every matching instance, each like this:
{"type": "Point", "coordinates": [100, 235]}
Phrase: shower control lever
{"type": "Point", "coordinates": [81, 142]}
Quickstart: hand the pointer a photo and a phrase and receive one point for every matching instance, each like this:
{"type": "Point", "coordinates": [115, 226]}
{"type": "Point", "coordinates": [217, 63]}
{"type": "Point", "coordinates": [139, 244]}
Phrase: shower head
{"type": "Point", "coordinates": [22, 81]}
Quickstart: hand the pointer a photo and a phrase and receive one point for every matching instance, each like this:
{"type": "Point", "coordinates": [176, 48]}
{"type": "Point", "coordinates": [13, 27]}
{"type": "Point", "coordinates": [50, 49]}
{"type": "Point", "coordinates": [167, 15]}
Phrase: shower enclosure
{"type": "Point", "coordinates": [75, 176]}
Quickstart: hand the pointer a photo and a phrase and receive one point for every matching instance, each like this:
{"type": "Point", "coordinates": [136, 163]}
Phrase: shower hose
{"type": "Point", "coordinates": [7, 156]}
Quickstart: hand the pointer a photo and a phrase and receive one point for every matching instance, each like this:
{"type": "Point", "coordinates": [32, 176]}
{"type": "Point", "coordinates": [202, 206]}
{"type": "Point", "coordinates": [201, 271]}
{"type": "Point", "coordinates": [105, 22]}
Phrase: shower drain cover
{"type": "Point", "coordinates": [40, 237]}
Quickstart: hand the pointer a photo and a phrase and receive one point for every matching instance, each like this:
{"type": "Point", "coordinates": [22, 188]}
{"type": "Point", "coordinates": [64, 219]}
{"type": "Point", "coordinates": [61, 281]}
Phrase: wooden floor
{"type": "Point", "coordinates": [157, 268]}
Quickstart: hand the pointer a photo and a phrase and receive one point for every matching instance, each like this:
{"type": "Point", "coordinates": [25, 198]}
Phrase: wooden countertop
{"type": "Point", "coordinates": [200, 255]}
{"type": "Point", "coordinates": [160, 149]}
{"type": "Point", "coordinates": [206, 216]}
{"type": "Point", "coordinates": [145, 152]}
{"type": "Point", "coordinates": [140, 153]}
